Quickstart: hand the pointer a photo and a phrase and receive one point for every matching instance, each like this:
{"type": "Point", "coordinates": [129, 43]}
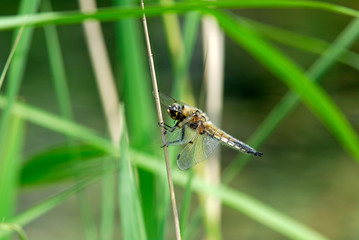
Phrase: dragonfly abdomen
{"type": "Point", "coordinates": [240, 146]}
{"type": "Point", "coordinates": [230, 141]}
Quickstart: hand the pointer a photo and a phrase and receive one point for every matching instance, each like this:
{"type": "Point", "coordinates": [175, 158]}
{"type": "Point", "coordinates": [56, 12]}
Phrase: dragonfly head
{"type": "Point", "coordinates": [175, 111]}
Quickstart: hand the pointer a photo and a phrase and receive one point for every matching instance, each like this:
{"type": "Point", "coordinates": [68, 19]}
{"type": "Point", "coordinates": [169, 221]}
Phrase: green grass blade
{"type": "Point", "coordinates": [108, 204]}
{"type": "Point", "coordinates": [63, 126]}
{"type": "Point", "coordinates": [346, 39]}
{"type": "Point", "coordinates": [239, 201]}
{"type": "Point", "coordinates": [310, 93]}
{"type": "Point", "coordinates": [9, 167]}
{"type": "Point", "coordinates": [260, 212]}
{"type": "Point", "coordinates": [296, 40]}
{"type": "Point", "coordinates": [139, 104]}
{"type": "Point", "coordinates": [182, 85]}
{"type": "Point", "coordinates": [182, 69]}
{"type": "Point", "coordinates": [181, 54]}
{"type": "Point", "coordinates": [42, 208]}
{"type": "Point", "coordinates": [16, 70]}
{"type": "Point", "coordinates": [132, 220]}
{"type": "Point", "coordinates": [194, 227]}
{"type": "Point", "coordinates": [13, 228]}
{"type": "Point", "coordinates": [63, 99]}
{"type": "Point", "coordinates": [290, 100]}
{"type": "Point", "coordinates": [57, 66]}
{"type": "Point", "coordinates": [10, 126]}
{"type": "Point", "coordinates": [173, 33]}
{"type": "Point", "coordinates": [59, 164]}
{"type": "Point", "coordinates": [112, 14]}
{"type": "Point", "coordinates": [251, 207]}
{"type": "Point", "coordinates": [137, 96]}
{"type": "Point", "coordinates": [9, 59]}
{"type": "Point", "coordinates": [186, 206]}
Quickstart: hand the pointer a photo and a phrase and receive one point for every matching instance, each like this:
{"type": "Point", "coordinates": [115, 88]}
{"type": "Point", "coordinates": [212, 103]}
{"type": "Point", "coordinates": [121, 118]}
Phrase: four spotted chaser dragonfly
{"type": "Point", "coordinates": [200, 136]}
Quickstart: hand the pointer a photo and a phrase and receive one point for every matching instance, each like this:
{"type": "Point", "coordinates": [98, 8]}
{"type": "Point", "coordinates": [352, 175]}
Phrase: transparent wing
{"type": "Point", "coordinates": [199, 149]}
{"type": "Point", "coordinates": [167, 100]}
{"type": "Point", "coordinates": [180, 135]}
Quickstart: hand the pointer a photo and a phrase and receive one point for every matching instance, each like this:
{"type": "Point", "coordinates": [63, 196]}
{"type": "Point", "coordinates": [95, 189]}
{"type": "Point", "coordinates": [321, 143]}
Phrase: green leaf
{"type": "Point", "coordinates": [59, 164]}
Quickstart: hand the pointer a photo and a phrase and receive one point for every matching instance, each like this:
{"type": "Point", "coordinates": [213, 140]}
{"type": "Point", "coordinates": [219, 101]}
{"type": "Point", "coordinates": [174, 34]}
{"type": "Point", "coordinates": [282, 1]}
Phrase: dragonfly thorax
{"type": "Point", "coordinates": [175, 111]}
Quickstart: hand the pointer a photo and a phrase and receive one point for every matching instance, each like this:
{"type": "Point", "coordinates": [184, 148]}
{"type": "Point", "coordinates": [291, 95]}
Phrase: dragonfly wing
{"type": "Point", "coordinates": [197, 150]}
{"type": "Point", "coordinates": [209, 144]}
{"type": "Point", "coordinates": [180, 135]}
{"type": "Point", "coordinates": [167, 100]}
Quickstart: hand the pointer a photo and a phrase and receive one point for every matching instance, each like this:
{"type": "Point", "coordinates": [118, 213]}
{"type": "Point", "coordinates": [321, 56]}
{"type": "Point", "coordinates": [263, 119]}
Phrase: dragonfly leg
{"type": "Point", "coordinates": [169, 128]}
{"type": "Point", "coordinates": [164, 125]}
{"type": "Point", "coordinates": [178, 140]}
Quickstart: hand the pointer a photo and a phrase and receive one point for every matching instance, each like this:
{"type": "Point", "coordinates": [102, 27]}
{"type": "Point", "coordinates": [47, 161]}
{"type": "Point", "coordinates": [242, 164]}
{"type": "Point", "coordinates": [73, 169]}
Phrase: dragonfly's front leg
{"type": "Point", "coordinates": [164, 125]}
{"type": "Point", "coordinates": [177, 125]}
{"type": "Point", "coordinates": [168, 128]}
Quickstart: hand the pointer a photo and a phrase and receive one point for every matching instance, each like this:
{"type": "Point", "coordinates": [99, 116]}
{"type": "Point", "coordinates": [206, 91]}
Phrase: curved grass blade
{"type": "Point", "coordinates": [243, 203]}
{"type": "Point", "coordinates": [290, 100]}
{"type": "Point", "coordinates": [112, 14]}
{"type": "Point", "coordinates": [60, 125]}
{"type": "Point", "coordinates": [291, 75]}
{"type": "Point", "coordinates": [42, 208]}
{"type": "Point", "coordinates": [13, 228]}
{"type": "Point", "coordinates": [239, 201]}
{"type": "Point", "coordinates": [299, 41]}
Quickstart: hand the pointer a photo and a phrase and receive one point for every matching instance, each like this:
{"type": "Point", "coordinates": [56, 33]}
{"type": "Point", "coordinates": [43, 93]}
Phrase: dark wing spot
{"type": "Point", "coordinates": [178, 156]}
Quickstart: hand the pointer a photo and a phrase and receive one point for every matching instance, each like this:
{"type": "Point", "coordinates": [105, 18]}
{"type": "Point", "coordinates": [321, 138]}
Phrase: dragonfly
{"type": "Point", "coordinates": [199, 136]}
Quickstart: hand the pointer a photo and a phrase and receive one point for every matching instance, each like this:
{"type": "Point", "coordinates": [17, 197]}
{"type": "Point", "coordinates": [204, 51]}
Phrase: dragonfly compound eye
{"type": "Point", "coordinates": [175, 111]}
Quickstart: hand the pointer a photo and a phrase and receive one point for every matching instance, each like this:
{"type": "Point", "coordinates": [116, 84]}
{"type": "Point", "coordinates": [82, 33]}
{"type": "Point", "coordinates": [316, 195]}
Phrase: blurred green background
{"type": "Point", "coordinates": [304, 173]}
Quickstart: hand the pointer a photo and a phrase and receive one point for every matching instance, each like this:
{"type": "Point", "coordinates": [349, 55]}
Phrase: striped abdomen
{"type": "Point", "coordinates": [228, 140]}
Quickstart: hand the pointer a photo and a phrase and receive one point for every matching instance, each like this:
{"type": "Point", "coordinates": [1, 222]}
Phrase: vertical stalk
{"type": "Point", "coordinates": [160, 120]}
